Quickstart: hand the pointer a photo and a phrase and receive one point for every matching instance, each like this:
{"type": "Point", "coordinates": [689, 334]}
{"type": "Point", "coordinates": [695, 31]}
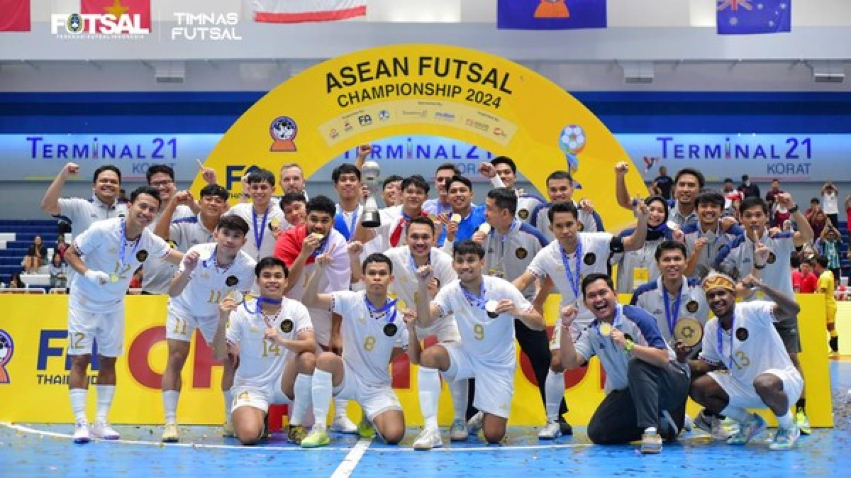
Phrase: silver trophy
{"type": "Point", "coordinates": [370, 172]}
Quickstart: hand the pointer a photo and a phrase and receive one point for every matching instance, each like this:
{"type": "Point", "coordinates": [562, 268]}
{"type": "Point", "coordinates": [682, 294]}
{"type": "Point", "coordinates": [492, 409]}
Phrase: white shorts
{"type": "Point", "coordinates": [258, 397]}
{"type": "Point", "coordinates": [745, 396]}
{"type": "Point", "coordinates": [575, 332]}
{"type": "Point", "coordinates": [105, 327]}
{"type": "Point", "coordinates": [444, 328]}
{"type": "Point", "coordinates": [180, 326]}
{"type": "Point", "coordinates": [494, 385]}
{"type": "Point", "coordinates": [374, 400]}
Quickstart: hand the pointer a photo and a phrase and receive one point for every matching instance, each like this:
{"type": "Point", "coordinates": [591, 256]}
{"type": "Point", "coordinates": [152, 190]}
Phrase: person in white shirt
{"type": "Point", "coordinates": [737, 260]}
{"type": "Point", "coordinates": [440, 206]}
{"type": "Point", "coordinates": [502, 171]}
{"type": "Point", "coordinates": [406, 260]}
{"type": "Point", "coordinates": [560, 189]}
{"type": "Point", "coordinates": [646, 388]}
{"type": "Point", "coordinates": [744, 362]}
{"type": "Point", "coordinates": [105, 257]}
{"type": "Point", "coordinates": [195, 297]}
{"type": "Point", "coordinates": [156, 275]}
{"type": "Point", "coordinates": [273, 336]}
{"type": "Point", "coordinates": [563, 263]}
{"type": "Point", "coordinates": [349, 187]}
{"type": "Point", "coordinates": [391, 191]}
{"type": "Point", "coordinates": [392, 233]}
{"type": "Point", "coordinates": [705, 238]}
{"type": "Point", "coordinates": [82, 213]}
{"type": "Point", "coordinates": [830, 202]}
{"type": "Point", "coordinates": [186, 232]}
{"type": "Point", "coordinates": [263, 215]}
{"type": "Point", "coordinates": [485, 309]}
{"type": "Point", "coordinates": [374, 333]}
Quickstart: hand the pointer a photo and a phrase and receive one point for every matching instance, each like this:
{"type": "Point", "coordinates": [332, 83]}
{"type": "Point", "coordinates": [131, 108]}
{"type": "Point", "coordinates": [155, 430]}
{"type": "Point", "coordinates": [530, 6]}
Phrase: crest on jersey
{"type": "Point", "coordinates": [521, 253]}
{"type": "Point", "coordinates": [287, 326]}
{"type": "Point", "coordinates": [742, 334]}
{"type": "Point", "coordinates": [692, 306]}
{"type": "Point", "coordinates": [771, 258]}
{"type": "Point", "coordinates": [523, 214]}
{"type": "Point", "coordinates": [231, 281]}
{"type": "Point", "coordinates": [590, 259]}
{"type": "Point", "coordinates": [142, 255]}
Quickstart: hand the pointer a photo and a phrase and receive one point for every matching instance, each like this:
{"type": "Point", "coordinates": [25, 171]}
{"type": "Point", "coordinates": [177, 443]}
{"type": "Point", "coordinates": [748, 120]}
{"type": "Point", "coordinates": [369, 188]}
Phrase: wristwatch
{"type": "Point", "coordinates": [628, 346]}
{"type": "Point", "coordinates": [793, 209]}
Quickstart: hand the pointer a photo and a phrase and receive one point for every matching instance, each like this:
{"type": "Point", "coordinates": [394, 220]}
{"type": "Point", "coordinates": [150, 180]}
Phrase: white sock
{"type": "Point", "coordinates": [105, 394]}
{"type": "Point", "coordinates": [78, 403]}
{"type": "Point", "coordinates": [785, 421]}
{"type": "Point", "coordinates": [170, 398]}
{"type": "Point", "coordinates": [739, 414]}
{"type": "Point", "coordinates": [428, 381]}
{"type": "Point", "coordinates": [303, 398]}
{"type": "Point", "coordinates": [340, 407]}
{"type": "Point", "coordinates": [460, 391]}
{"type": "Point", "coordinates": [228, 403]}
{"type": "Point", "coordinates": [554, 391]}
{"type": "Point", "coordinates": [322, 388]}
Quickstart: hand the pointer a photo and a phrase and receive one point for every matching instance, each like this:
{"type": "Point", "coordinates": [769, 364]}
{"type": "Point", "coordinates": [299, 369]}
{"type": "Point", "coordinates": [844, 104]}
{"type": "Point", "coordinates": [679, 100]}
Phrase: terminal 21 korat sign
{"type": "Point", "coordinates": [403, 91]}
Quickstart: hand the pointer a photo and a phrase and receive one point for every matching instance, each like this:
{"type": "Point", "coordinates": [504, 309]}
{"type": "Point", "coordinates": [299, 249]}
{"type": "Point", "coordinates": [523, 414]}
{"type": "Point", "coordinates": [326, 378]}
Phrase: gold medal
{"type": "Point", "coordinates": [688, 331]}
{"type": "Point", "coordinates": [455, 218]}
{"type": "Point", "coordinates": [605, 329]}
{"type": "Point", "coordinates": [113, 277]}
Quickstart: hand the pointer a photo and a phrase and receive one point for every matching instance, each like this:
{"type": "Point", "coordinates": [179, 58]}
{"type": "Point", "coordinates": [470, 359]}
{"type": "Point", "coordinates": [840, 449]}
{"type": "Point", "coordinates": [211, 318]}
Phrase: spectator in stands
{"type": "Point", "coordinates": [748, 188]}
{"type": "Point", "coordinates": [58, 272]}
{"type": "Point", "coordinates": [35, 256]}
{"type": "Point", "coordinates": [830, 202]}
{"type": "Point", "coordinates": [828, 245]}
{"type": "Point", "coordinates": [818, 221]}
{"type": "Point", "coordinates": [61, 245]}
{"type": "Point", "coordinates": [803, 279]}
{"type": "Point", "coordinates": [662, 184]}
{"type": "Point", "coordinates": [847, 216]}
{"type": "Point", "coordinates": [771, 197]}
{"type": "Point", "coordinates": [732, 198]}
{"type": "Point", "coordinates": [15, 282]}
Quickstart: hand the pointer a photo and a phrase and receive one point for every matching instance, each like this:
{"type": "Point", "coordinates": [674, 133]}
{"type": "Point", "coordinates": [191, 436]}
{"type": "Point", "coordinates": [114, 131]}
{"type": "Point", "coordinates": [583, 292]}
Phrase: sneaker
{"type": "Point", "coordinates": [785, 438]}
{"type": "Point", "coordinates": [566, 428]}
{"type": "Point", "coordinates": [344, 425]}
{"type": "Point", "coordinates": [747, 430]}
{"type": "Point", "coordinates": [103, 431]}
{"type": "Point", "coordinates": [551, 431]}
{"type": "Point", "coordinates": [803, 422]}
{"type": "Point", "coordinates": [365, 429]}
{"type": "Point", "coordinates": [834, 345]}
{"type": "Point", "coordinates": [474, 424]}
{"type": "Point", "coordinates": [711, 425]}
{"type": "Point", "coordinates": [81, 432]}
{"type": "Point", "coordinates": [296, 433]}
{"type": "Point", "coordinates": [427, 439]}
{"type": "Point", "coordinates": [170, 433]}
{"type": "Point", "coordinates": [227, 430]}
{"type": "Point", "coordinates": [315, 439]}
{"type": "Point", "coordinates": [458, 431]}
{"type": "Point", "coordinates": [651, 442]}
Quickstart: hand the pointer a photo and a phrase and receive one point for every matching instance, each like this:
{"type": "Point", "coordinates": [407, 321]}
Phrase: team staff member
{"type": "Point", "coordinates": [646, 389]}
{"type": "Point", "coordinates": [560, 189]}
{"type": "Point", "coordinates": [105, 257]}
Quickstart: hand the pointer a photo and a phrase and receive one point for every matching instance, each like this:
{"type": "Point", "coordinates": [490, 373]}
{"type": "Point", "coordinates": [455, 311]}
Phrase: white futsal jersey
{"type": "Point", "coordinates": [405, 284]}
{"type": "Point", "coordinates": [367, 339]}
{"type": "Point", "coordinates": [104, 247]}
{"type": "Point", "coordinates": [261, 241]}
{"type": "Point", "coordinates": [261, 361]}
{"type": "Point", "coordinates": [209, 284]}
{"type": "Point", "coordinates": [490, 340]}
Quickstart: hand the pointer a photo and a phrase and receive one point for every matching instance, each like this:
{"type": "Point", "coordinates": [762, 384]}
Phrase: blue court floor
{"type": "Point", "coordinates": [34, 450]}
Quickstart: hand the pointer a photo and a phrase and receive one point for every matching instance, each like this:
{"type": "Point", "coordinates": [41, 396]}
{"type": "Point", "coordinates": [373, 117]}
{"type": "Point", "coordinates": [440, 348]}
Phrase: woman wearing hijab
{"type": "Point", "coordinates": [639, 267]}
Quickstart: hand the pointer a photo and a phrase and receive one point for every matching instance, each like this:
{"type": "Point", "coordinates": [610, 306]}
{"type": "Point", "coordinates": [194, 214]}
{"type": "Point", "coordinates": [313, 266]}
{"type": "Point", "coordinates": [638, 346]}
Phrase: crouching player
{"type": "Point", "coordinates": [274, 336]}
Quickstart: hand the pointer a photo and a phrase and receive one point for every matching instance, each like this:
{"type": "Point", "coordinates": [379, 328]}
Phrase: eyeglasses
{"type": "Point", "coordinates": [162, 183]}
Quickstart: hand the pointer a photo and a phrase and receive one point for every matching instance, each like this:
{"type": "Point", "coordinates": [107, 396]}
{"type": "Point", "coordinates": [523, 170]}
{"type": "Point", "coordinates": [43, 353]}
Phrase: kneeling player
{"type": "Point", "coordinates": [276, 360]}
{"type": "Point", "coordinates": [373, 334]}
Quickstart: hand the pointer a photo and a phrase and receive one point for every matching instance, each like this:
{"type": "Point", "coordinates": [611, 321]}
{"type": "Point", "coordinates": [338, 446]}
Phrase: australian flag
{"type": "Point", "coordinates": [551, 14]}
{"type": "Point", "coordinates": [747, 17]}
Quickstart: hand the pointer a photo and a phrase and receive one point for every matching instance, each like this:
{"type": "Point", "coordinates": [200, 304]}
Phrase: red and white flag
{"type": "Point", "coordinates": [299, 11]}
{"type": "Point", "coordinates": [15, 16]}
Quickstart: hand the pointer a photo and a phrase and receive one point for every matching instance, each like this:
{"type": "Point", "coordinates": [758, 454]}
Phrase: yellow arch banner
{"type": "Point", "coordinates": [436, 90]}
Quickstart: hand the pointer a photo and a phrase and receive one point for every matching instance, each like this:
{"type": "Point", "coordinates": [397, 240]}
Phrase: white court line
{"type": "Point", "coordinates": [351, 460]}
{"type": "Point", "coordinates": [488, 448]}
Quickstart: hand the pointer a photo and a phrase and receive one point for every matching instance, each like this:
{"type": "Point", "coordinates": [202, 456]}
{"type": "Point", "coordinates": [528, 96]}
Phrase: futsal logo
{"type": "Point", "coordinates": [283, 131]}
{"type": "Point", "coordinates": [7, 349]}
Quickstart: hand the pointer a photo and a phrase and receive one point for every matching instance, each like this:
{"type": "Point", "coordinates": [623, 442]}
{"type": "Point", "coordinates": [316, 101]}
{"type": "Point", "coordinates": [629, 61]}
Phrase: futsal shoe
{"type": "Point", "coordinates": [365, 428]}
{"type": "Point", "coordinates": [81, 432]}
{"type": "Point", "coordinates": [651, 442]}
{"type": "Point", "coordinates": [344, 425]}
{"type": "Point", "coordinates": [316, 439]}
{"type": "Point", "coordinates": [551, 431]}
{"type": "Point", "coordinates": [427, 439]}
{"type": "Point", "coordinates": [711, 425]}
{"type": "Point", "coordinates": [296, 434]}
{"type": "Point", "coordinates": [566, 428]}
{"type": "Point", "coordinates": [803, 422]}
{"type": "Point", "coordinates": [747, 430]}
{"type": "Point", "coordinates": [104, 431]}
{"type": "Point", "coordinates": [170, 433]}
{"type": "Point", "coordinates": [785, 438]}
{"type": "Point", "coordinates": [458, 431]}
{"type": "Point", "coordinates": [474, 424]}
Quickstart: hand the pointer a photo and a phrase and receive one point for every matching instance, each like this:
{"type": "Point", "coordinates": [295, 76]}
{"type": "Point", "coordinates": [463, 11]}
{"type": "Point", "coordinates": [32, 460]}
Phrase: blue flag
{"type": "Point", "coordinates": [747, 17]}
{"type": "Point", "coordinates": [551, 14]}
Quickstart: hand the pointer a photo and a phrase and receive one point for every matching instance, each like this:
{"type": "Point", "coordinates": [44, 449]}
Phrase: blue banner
{"type": "Point", "coordinates": [747, 17]}
{"type": "Point", "coordinates": [551, 14]}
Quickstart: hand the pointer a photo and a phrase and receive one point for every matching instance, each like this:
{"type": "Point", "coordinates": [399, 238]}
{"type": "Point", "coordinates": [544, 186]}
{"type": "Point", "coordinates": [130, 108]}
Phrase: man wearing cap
{"type": "Point", "coordinates": [759, 374]}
